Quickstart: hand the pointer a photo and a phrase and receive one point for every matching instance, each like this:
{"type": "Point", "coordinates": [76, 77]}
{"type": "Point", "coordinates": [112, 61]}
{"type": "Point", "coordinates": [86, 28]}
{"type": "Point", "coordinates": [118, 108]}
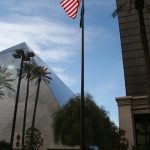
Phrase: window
{"type": "Point", "coordinates": [142, 130]}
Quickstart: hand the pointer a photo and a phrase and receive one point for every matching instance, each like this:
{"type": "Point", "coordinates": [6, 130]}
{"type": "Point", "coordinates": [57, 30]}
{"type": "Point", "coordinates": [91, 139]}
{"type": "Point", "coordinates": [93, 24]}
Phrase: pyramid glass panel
{"type": "Point", "coordinates": [51, 97]}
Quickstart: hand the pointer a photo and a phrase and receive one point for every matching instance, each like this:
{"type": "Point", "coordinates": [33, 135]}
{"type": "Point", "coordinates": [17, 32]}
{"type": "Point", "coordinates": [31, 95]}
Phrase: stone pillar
{"type": "Point", "coordinates": [129, 106]}
{"type": "Point", "coordinates": [125, 118]}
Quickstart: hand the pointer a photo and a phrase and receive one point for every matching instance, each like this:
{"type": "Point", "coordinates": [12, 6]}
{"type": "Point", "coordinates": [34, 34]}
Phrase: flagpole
{"type": "Point", "coordinates": [82, 138]}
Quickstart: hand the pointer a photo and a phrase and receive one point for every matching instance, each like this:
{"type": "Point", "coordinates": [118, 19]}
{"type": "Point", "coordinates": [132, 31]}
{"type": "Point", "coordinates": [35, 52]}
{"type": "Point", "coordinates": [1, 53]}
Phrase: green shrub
{"type": "Point", "coordinates": [38, 140]}
{"type": "Point", "coordinates": [4, 145]}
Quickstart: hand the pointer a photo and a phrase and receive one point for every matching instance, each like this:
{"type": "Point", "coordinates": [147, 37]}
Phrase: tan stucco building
{"type": "Point", "coordinates": [134, 112]}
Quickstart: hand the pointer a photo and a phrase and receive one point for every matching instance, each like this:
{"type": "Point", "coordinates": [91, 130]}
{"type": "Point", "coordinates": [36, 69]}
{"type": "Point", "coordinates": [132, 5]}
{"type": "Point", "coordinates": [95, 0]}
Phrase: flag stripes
{"type": "Point", "coordinates": [71, 7]}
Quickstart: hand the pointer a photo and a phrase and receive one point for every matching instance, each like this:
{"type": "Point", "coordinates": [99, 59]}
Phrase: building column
{"type": "Point", "coordinates": [126, 118]}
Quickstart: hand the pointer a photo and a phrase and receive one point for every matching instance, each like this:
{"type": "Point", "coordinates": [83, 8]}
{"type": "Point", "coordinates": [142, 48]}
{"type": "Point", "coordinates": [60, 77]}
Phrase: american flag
{"type": "Point", "coordinates": [71, 7]}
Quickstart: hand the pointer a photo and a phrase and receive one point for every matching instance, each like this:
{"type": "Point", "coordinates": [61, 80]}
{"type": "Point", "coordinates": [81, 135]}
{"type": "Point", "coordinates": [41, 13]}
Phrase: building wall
{"type": "Point", "coordinates": [126, 118]}
{"type": "Point", "coordinates": [129, 106]}
{"type": "Point", "coordinates": [136, 100]}
{"type": "Point", "coordinates": [132, 50]}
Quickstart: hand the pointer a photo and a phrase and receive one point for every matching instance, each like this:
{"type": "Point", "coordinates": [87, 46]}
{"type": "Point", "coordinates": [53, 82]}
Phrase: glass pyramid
{"type": "Point", "coordinates": [51, 97]}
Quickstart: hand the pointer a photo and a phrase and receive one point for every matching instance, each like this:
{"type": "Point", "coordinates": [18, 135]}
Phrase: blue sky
{"type": "Point", "coordinates": [56, 38]}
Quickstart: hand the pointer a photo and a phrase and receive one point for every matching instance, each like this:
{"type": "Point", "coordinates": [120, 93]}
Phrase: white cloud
{"type": "Point", "coordinates": [39, 29]}
{"type": "Point", "coordinates": [28, 5]}
{"type": "Point", "coordinates": [54, 41]}
{"type": "Point", "coordinates": [61, 72]}
{"type": "Point", "coordinates": [56, 55]}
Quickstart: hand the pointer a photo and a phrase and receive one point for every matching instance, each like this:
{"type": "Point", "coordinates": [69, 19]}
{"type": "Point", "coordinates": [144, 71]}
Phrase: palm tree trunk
{"type": "Point", "coordinates": [34, 112]}
{"type": "Point", "coordinates": [16, 104]}
{"type": "Point", "coordinates": [139, 5]}
{"type": "Point", "coordinates": [25, 111]}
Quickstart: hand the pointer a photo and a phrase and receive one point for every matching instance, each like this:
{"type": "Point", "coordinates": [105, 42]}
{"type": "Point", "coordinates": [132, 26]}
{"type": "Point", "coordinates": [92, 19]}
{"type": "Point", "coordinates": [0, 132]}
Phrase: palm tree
{"type": "Point", "coordinates": [39, 73]}
{"type": "Point", "coordinates": [139, 6]}
{"type": "Point", "coordinates": [5, 80]}
{"type": "Point", "coordinates": [26, 73]}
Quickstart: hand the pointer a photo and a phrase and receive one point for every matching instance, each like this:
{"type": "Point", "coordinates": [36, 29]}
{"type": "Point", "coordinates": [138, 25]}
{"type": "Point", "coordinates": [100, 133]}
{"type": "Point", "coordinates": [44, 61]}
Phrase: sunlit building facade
{"type": "Point", "coordinates": [51, 97]}
{"type": "Point", "coordinates": [134, 113]}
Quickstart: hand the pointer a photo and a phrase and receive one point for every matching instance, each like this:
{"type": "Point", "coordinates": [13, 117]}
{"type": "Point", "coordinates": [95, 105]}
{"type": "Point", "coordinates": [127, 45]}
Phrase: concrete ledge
{"type": "Point", "coordinates": [125, 100]}
{"type": "Point", "coordinates": [134, 101]}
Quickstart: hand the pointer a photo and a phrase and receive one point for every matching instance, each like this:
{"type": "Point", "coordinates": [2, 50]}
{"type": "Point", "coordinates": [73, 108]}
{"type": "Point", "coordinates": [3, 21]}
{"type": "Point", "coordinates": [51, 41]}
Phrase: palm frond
{"type": "Point", "coordinates": [8, 86]}
{"type": "Point", "coordinates": [8, 80]}
{"type": "Point", "coordinates": [46, 81]}
{"type": "Point", "coordinates": [3, 70]}
{"type": "Point", "coordinates": [26, 70]}
{"type": "Point", "coordinates": [5, 80]}
{"type": "Point", "coordinates": [42, 72]}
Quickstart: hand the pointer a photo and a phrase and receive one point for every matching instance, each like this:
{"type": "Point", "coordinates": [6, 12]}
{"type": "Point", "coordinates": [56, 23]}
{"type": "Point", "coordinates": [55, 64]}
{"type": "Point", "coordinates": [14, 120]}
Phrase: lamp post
{"type": "Point", "coordinates": [19, 54]}
{"type": "Point", "coordinates": [29, 55]}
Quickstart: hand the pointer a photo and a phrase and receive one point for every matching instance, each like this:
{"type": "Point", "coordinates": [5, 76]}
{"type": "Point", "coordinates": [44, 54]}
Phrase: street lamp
{"type": "Point", "coordinates": [19, 54]}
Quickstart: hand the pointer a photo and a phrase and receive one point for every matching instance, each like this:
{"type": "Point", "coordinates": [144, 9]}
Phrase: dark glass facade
{"type": "Point", "coordinates": [61, 92]}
